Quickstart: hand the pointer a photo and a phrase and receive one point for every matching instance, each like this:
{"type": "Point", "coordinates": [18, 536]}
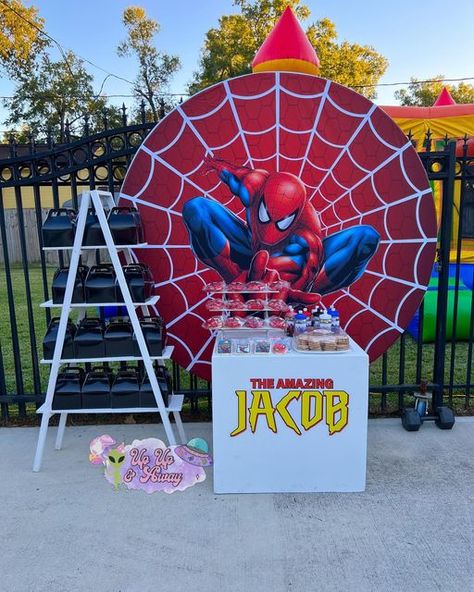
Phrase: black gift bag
{"type": "Point", "coordinates": [93, 235]}
{"type": "Point", "coordinates": [50, 338]}
{"type": "Point", "coordinates": [67, 394]}
{"type": "Point", "coordinates": [118, 338]}
{"type": "Point", "coordinates": [59, 228]}
{"type": "Point", "coordinates": [125, 389]}
{"type": "Point", "coordinates": [140, 281]}
{"type": "Point", "coordinates": [101, 284]}
{"type": "Point", "coordinates": [58, 287]}
{"type": "Point", "coordinates": [147, 397]}
{"type": "Point", "coordinates": [153, 334]}
{"type": "Point", "coordinates": [96, 388]}
{"type": "Point", "coordinates": [89, 339]}
{"type": "Point", "coordinates": [126, 225]}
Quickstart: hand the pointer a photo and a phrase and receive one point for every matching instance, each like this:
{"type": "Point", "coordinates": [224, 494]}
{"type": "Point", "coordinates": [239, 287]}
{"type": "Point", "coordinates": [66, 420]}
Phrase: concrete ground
{"type": "Point", "coordinates": [65, 529]}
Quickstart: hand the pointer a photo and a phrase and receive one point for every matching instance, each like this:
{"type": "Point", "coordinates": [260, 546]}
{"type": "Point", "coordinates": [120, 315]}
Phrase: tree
{"type": "Point", "coordinates": [155, 68]}
{"type": "Point", "coordinates": [351, 64]}
{"type": "Point", "coordinates": [53, 93]}
{"type": "Point", "coordinates": [21, 36]}
{"type": "Point", "coordinates": [424, 94]}
{"type": "Point", "coordinates": [230, 48]}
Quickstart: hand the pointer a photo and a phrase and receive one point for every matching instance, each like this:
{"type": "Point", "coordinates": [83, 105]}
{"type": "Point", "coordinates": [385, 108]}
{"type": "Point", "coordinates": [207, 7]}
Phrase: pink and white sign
{"type": "Point", "coordinates": [151, 465]}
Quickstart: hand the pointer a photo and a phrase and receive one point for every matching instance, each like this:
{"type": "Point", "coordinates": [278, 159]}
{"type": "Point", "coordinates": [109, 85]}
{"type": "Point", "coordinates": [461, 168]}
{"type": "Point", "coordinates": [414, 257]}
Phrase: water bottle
{"type": "Point", "coordinates": [325, 320]}
{"type": "Point", "coordinates": [316, 314]}
{"type": "Point", "coordinates": [300, 323]}
{"type": "Point", "coordinates": [290, 322]}
{"type": "Point", "coordinates": [308, 317]}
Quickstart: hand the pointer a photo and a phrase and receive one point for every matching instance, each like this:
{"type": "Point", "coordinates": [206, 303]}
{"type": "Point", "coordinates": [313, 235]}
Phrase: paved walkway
{"type": "Point", "coordinates": [65, 530]}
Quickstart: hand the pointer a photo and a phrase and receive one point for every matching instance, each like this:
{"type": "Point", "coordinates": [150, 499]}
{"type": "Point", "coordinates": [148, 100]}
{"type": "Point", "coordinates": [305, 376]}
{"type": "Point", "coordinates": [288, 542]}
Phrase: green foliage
{"type": "Point", "coordinates": [263, 14]}
{"type": "Point", "coordinates": [155, 68]}
{"type": "Point", "coordinates": [348, 63]}
{"type": "Point", "coordinates": [54, 92]}
{"type": "Point", "coordinates": [20, 41]}
{"type": "Point", "coordinates": [230, 48]}
{"type": "Point", "coordinates": [424, 94]}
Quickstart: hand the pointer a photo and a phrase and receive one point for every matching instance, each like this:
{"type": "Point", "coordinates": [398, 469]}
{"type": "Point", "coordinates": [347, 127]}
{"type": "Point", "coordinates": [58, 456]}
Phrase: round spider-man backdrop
{"type": "Point", "coordinates": [363, 234]}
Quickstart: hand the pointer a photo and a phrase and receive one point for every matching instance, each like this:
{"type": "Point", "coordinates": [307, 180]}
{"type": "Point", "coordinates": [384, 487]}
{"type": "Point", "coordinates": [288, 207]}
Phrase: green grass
{"type": "Point", "coordinates": [393, 373]}
{"type": "Point", "coordinates": [21, 314]}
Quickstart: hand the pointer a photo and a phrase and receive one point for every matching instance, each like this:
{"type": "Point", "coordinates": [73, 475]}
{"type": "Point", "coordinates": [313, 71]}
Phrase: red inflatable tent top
{"type": "Point", "coordinates": [286, 48]}
{"type": "Point", "coordinates": [444, 98]}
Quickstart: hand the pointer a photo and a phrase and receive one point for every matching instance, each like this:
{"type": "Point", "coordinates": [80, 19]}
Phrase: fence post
{"type": "Point", "coordinates": [443, 281]}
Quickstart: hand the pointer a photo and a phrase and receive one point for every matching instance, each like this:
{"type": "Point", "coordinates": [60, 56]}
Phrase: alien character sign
{"type": "Point", "coordinates": [281, 238]}
{"type": "Point", "coordinates": [289, 175]}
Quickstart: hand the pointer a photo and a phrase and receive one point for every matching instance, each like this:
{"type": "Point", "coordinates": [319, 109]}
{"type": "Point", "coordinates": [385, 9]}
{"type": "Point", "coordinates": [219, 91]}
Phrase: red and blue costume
{"type": "Point", "coordinates": [281, 238]}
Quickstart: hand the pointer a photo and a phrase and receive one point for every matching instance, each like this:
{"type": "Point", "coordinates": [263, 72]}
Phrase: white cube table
{"type": "Point", "coordinates": [292, 422]}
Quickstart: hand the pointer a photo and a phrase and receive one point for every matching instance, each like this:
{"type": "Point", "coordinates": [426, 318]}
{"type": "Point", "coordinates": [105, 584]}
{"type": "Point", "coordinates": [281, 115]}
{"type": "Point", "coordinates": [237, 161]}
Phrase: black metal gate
{"type": "Point", "coordinates": [34, 178]}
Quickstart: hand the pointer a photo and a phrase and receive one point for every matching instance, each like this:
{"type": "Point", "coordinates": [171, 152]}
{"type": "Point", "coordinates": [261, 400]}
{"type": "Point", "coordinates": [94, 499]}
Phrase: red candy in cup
{"type": "Point", "coordinates": [255, 304]}
{"type": "Point", "coordinates": [213, 323]}
{"type": "Point", "coordinates": [256, 286]}
{"type": "Point", "coordinates": [253, 322]}
{"type": "Point", "coordinates": [214, 286]}
{"type": "Point", "coordinates": [233, 323]}
{"type": "Point", "coordinates": [277, 323]}
{"type": "Point", "coordinates": [237, 287]}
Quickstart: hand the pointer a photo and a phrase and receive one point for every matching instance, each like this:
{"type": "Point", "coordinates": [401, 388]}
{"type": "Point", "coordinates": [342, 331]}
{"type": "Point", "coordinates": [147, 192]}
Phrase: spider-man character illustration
{"type": "Point", "coordinates": [281, 238]}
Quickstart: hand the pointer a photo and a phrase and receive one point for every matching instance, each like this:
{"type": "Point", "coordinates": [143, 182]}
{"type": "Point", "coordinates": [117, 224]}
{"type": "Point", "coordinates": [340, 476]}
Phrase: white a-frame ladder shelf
{"type": "Point", "coordinates": [97, 200]}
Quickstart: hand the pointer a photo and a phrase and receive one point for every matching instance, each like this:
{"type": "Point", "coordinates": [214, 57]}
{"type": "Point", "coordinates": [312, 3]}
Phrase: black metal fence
{"type": "Point", "coordinates": [34, 178]}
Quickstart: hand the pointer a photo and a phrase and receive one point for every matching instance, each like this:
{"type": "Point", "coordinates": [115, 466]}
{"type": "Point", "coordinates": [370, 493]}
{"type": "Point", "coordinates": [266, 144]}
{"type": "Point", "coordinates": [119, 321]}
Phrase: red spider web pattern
{"type": "Point", "coordinates": [358, 168]}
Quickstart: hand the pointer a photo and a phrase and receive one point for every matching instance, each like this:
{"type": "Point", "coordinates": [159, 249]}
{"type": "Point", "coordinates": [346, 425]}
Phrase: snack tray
{"type": "Point", "coordinates": [225, 291]}
{"type": "Point", "coordinates": [254, 329]}
{"type": "Point", "coordinates": [249, 310]}
{"type": "Point", "coordinates": [309, 351]}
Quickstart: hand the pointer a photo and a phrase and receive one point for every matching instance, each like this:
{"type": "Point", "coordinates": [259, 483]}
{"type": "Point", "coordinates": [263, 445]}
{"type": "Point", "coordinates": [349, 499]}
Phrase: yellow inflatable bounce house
{"type": "Point", "coordinates": [444, 119]}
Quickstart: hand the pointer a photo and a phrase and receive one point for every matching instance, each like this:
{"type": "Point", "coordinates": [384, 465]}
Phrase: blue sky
{"type": "Point", "coordinates": [420, 38]}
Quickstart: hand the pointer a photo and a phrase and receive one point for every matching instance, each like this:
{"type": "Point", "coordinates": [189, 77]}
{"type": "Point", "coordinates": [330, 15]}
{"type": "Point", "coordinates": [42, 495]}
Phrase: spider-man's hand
{"type": "Point", "coordinates": [224, 169]}
{"type": "Point", "coordinates": [259, 270]}
{"type": "Point", "coordinates": [217, 165]}
{"type": "Point", "coordinates": [301, 297]}
{"type": "Point", "coordinates": [210, 165]}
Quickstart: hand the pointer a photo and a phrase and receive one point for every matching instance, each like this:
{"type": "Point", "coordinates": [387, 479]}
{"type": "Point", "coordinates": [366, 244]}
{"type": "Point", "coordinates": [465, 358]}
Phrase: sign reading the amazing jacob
{"type": "Point", "coordinates": [278, 429]}
{"type": "Point", "coordinates": [312, 406]}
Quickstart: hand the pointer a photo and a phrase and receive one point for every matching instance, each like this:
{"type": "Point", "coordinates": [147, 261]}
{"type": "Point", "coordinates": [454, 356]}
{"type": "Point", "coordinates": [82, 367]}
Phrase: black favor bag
{"type": "Point", "coordinates": [153, 334]}
{"type": "Point", "coordinates": [59, 228]}
{"type": "Point", "coordinates": [125, 225]}
{"type": "Point", "coordinates": [125, 389]}
{"type": "Point", "coordinates": [118, 338]}
{"type": "Point", "coordinates": [93, 234]}
{"type": "Point", "coordinates": [89, 339]}
{"type": "Point", "coordinates": [147, 397]}
{"type": "Point", "coordinates": [67, 394]}
{"type": "Point", "coordinates": [58, 287]}
{"type": "Point", "coordinates": [140, 281]}
{"type": "Point", "coordinates": [50, 338]}
{"type": "Point", "coordinates": [96, 388]}
{"type": "Point", "coordinates": [101, 284]}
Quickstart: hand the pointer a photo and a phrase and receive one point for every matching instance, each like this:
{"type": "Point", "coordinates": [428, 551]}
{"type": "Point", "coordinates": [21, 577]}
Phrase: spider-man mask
{"type": "Point", "coordinates": [279, 207]}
